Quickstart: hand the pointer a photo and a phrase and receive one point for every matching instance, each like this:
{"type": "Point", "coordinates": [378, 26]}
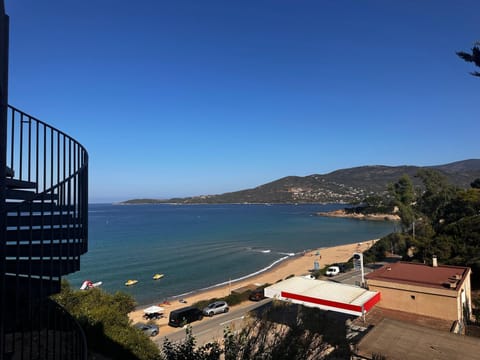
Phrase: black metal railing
{"type": "Point", "coordinates": [46, 202]}
{"type": "Point", "coordinates": [45, 330]}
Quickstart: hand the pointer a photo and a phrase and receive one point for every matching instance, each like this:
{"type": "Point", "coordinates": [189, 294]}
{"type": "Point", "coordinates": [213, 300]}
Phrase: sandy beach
{"type": "Point", "coordinates": [298, 265]}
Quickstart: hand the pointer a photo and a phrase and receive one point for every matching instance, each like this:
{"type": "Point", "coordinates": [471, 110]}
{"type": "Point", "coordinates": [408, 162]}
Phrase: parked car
{"type": "Point", "coordinates": [148, 329]}
{"type": "Point", "coordinates": [332, 271]}
{"type": "Point", "coordinates": [183, 316]}
{"type": "Point", "coordinates": [257, 295]}
{"type": "Point", "coordinates": [152, 316]}
{"type": "Point", "coordinates": [217, 307]}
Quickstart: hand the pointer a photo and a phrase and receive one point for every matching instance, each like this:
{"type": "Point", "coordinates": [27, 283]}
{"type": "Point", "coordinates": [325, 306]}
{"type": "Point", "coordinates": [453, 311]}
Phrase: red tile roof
{"type": "Point", "coordinates": [420, 274]}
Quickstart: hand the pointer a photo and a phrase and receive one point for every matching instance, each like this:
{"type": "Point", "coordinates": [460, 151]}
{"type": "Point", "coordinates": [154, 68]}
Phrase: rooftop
{"type": "Point", "coordinates": [442, 276]}
{"type": "Point", "coordinates": [326, 295]}
{"type": "Point", "coordinates": [399, 340]}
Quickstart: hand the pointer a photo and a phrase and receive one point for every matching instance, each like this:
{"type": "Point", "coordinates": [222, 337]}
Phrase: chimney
{"type": "Point", "coordinates": [434, 261]}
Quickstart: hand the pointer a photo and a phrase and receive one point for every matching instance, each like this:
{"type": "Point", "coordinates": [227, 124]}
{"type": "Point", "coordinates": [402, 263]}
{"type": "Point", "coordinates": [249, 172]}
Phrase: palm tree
{"type": "Point", "coordinates": [473, 57]}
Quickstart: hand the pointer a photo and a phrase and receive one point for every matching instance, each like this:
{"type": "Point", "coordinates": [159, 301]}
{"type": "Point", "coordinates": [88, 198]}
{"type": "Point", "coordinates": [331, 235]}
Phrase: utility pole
{"type": "Point", "coordinates": [358, 265]}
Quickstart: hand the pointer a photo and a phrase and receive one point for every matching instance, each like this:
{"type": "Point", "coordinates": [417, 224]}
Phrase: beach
{"type": "Point", "coordinates": [298, 265]}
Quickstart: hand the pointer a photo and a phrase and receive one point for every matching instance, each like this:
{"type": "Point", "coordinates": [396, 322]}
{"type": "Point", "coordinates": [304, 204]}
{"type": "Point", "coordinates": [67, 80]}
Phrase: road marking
{"type": "Point", "coordinates": [229, 321]}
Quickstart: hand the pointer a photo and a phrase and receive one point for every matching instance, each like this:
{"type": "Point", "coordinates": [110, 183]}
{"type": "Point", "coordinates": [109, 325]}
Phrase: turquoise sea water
{"type": "Point", "coordinates": [198, 246]}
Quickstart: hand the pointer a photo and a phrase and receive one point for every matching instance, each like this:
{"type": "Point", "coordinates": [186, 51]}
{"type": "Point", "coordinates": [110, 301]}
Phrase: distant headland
{"type": "Point", "coordinates": [345, 186]}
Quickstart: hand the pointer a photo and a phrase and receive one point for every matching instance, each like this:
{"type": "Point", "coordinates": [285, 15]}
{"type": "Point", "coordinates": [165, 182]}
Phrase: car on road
{"type": "Point", "coordinates": [216, 307]}
{"type": "Point", "coordinates": [332, 271]}
{"type": "Point", "coordinates": [257, 295]}
{"type": "Point", "coordinates": [183, 316]}
{"type": "Point", "coordinates": [148, 329]}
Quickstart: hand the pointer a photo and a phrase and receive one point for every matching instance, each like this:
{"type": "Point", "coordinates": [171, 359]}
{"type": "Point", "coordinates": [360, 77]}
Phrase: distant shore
{"type": "Point", "coordinates": [343, 214]}
{"type": "Point", "coordinates": [298, 265]}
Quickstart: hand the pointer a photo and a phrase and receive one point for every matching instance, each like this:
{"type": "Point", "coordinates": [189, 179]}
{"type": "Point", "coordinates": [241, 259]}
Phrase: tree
{"type": "Point", "coordinates": [475, 184]}
{"type": "Point", "coordinates": [187, 349]}
{"type": "Point", "coordinates": [438, 193]}
{"type": "Point", "coordinates": [473, 57]}
{"type": "Point", "coordinates": [404, 197]}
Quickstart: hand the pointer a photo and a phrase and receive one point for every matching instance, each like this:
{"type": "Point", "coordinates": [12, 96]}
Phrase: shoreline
{"type": "Point", "coordinates": [298, 265]}
{"type": "Point", "coordinates": [341, 213]}
{"type": "Point", "coordinates": [277, 262]}
{"type": "Point", "coordinates": [233, 282]}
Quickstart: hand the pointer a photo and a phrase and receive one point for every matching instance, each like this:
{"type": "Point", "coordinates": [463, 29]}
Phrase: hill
{"type": "Point", "coordinates": [340, 186]}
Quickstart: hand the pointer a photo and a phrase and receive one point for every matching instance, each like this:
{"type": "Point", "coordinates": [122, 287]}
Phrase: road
{"type": "Point", "coordinates": [212, 328]}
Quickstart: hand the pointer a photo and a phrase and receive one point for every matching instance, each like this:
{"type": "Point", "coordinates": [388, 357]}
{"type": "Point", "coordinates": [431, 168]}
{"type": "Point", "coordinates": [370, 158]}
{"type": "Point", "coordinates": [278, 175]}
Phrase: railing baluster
{"type": "Point", "coordinates": [29, 162]}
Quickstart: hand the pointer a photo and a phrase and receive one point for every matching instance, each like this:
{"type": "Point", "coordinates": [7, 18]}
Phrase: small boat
{"type": "Point", "coordinates": [157, 276]}
{"type": "Point", "coordinates": [87, 284]}
{"type": "Point", "coordinates": [131, 282]}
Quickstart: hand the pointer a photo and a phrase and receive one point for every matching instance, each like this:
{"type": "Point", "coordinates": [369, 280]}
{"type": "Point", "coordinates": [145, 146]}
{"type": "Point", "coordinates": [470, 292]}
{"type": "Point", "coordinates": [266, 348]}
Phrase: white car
{"type": "Point", "coordinates": [332, 271]}
{"type": "Point", "coordinates": [216, 308]}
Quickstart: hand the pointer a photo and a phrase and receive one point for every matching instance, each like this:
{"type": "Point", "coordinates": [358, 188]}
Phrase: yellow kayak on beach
{"type": "Point", "coordinates": [131, 282]}
{"type": "Point", "coordinates": [157, 276]}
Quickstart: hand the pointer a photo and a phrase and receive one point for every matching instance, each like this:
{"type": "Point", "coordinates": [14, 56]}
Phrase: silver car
{"type": "Point", "coordinates": [148, 329]}
{"type": "Point", "coordinates": [217, 307]}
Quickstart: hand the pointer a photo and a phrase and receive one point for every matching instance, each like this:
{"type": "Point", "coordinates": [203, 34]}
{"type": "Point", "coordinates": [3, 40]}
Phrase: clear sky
{"type": "Point", "coordinates": [181, 98]}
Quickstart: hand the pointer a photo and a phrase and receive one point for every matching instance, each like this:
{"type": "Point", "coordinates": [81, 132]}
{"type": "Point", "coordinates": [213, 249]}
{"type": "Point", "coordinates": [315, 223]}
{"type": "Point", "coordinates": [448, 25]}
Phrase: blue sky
{"type": "Point", "coordinates": [181, 98]}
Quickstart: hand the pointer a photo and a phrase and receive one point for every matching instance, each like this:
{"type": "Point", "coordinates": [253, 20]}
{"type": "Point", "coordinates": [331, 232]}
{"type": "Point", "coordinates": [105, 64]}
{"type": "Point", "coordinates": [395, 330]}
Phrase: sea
{"type": "Point", "coordinates": [197, 247]}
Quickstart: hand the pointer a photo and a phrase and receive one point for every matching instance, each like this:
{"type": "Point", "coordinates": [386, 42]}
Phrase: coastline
{"type": "Point", "coordinates": [341, 213]}
{"type": "Point", "coordinates": [299, 264]}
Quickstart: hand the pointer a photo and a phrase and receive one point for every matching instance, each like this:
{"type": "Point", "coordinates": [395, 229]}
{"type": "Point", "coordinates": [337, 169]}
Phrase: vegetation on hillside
{"type": "Point", "coordinates": [341, 186]}
{"type": "Point", "coordinates": [282, 331]}
{"type": "Point", "coordinates": [104, 319]}
{"type": "Point", "coordinates": [436, 219]}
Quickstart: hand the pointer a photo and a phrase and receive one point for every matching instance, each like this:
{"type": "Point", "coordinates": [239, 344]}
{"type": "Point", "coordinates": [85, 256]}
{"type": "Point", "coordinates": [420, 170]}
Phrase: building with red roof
{"type": "Point", "coordinates": [442, 292]}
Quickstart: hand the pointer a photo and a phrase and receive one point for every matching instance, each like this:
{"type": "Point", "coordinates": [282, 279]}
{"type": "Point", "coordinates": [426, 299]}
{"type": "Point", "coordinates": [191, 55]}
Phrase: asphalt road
{"type": "Point", "coordinates": [212, 328]}
{"type": "Point", "coordinates": [353, 277]}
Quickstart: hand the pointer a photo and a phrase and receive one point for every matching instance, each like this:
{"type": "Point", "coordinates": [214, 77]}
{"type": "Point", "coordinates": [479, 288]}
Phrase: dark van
{"type": "Point", "coordinates": [257, 295]}
{"type": "Point", "coordinates": [185, 315]}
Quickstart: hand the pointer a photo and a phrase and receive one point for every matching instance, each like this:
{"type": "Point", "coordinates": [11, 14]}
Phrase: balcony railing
{"type": "Point", "coordinates": [47, 203]}
{"type": "Point", "coordinates": [46, 217]}
{"type": "Point", "coordinates": [45, 331]}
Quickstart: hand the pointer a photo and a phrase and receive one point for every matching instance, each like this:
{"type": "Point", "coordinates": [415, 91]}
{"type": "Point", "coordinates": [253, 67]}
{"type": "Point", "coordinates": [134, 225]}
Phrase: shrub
{"type": "Point", "coordinates": [104, 319]}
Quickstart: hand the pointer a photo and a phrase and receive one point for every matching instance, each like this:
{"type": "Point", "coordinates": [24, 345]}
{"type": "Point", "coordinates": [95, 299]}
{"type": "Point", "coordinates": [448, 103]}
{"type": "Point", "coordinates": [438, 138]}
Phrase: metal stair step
{"type": "Point", "coordinates": [31, 287]}
{"type": "Point", "coordinates": [19, 184]}
{"type": "Point", "coordinates": [19, 194]}
{"type": "Point", "coordinates": [39, 220]}
{"type": "Point", "coordinates": [38, 207]}
{"type": "Point", "coordinates": [46, 267]}
{"type": "Point", "coordinates": [45, 250]}
{"type": "Point", "coordinates": [14, 194]}
{"type": "Point", "coordinates": [63, 233]}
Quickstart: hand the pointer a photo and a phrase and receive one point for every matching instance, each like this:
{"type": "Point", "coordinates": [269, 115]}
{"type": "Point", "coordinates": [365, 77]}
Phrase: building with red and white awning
{"type": "Point", "coordinates": [325, 295]}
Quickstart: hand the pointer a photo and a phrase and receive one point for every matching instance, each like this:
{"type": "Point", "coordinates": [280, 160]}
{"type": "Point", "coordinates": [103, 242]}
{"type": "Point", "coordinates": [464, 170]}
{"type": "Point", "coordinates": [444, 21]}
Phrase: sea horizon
{"type": "Point", "coordinates": [202, 246]}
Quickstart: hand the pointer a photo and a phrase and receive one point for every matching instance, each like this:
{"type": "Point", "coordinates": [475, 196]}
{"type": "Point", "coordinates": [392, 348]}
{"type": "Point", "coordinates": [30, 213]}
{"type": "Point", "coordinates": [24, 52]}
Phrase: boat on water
{"type": "Point", "coordinates": [157, 276]}
{"type": "Point", "coordinates": [87, 284]}
{"type": "Point", "coordinates": [131, 282]}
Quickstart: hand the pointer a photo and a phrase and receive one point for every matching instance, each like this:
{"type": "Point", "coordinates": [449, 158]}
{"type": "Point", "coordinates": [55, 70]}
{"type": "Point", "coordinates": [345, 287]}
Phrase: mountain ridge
{"type": "Point", "coordinates": [339, 186]}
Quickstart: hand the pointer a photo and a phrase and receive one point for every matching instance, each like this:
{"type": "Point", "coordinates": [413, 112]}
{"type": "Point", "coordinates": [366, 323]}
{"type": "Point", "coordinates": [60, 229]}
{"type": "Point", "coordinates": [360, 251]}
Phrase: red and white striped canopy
{"type": "Point", "coordinates": [325, 295]}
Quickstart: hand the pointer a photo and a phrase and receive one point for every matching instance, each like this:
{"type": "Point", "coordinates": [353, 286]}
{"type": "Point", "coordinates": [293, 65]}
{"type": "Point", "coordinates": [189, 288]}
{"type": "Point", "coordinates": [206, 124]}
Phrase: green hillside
{"type": "Point", "coordinates": [340, 186]}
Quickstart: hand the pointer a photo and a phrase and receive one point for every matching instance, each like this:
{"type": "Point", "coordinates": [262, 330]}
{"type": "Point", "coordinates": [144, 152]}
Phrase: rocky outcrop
{"type": "Point", "coordinates": [359, 216]}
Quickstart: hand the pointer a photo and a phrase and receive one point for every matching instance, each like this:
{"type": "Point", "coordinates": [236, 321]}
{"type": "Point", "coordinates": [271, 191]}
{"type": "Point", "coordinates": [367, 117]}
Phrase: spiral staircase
{"type": "Point", "coordinates": [44, 229]}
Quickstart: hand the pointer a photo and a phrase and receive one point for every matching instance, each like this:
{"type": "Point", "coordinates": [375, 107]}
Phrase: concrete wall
{"type": "Point", "coordinates": [416, 300]}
